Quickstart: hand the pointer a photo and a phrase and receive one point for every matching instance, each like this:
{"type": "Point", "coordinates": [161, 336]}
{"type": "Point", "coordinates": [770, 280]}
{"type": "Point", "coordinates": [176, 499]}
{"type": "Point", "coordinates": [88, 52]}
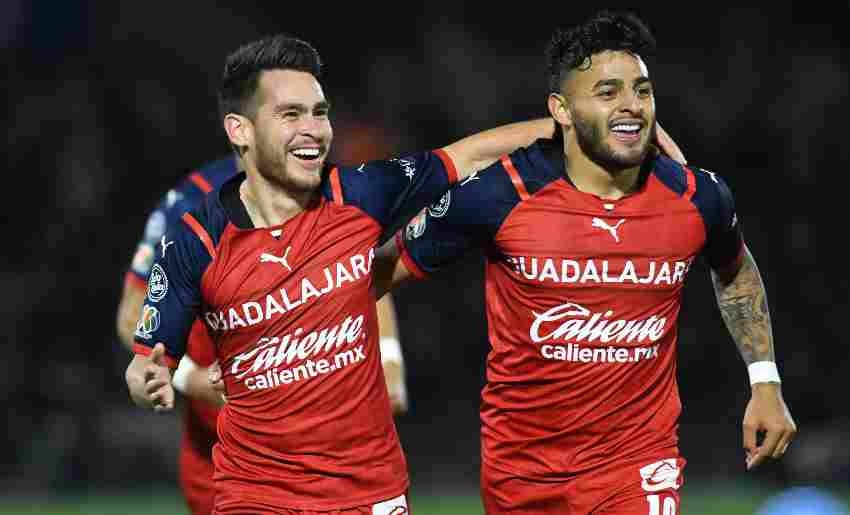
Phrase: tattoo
{"type": "Point", "coordinates": [743, 305]}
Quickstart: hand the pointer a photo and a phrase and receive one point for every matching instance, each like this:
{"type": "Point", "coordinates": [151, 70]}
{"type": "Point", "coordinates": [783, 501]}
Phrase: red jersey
{"type": "Point", "coordinates": [582, 297]}
{"type": "Point", "coordinates": [292, 314]}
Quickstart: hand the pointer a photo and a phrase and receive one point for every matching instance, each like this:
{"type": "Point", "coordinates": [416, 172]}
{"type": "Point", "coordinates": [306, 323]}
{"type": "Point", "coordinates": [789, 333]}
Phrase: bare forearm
{"type": "Point", "coordinates": [743, 305]}
{"type": "Point", "coordinates": [480, 150]}
{"type": "Point", "coordinates": [387, 324]}
{"type": "Point", "coordinates": [388, 269]}
{"type": "Point", "coordinates": [198, 386]}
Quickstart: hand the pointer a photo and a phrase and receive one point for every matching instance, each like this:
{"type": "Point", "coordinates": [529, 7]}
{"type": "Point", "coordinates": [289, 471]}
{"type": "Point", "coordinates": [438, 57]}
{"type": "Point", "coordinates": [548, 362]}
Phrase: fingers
{"type": "Point", "coordinates": [154, 384]}
{"type": "Point", "coordinates": [215, 379]}
{"type": "Point", "coordinates": [784, 441]}
{"type": "Point", "coordinates": [766, 449]}
{"type": "Point", "coordinates": [749, 441]}
{"type": "Point", "coordinates": [668, 146]}
{"type": "Point", "coordinates": [214, 373]}
{"type": "Point", "coordinates": [162, 399]}
{"type": "Point", "coordinates": [781, 447]}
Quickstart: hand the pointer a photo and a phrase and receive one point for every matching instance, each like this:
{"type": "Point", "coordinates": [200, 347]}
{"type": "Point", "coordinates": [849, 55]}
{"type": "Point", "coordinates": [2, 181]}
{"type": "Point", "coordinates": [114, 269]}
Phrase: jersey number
{"type": "Point", "coordinates": [655, 505]}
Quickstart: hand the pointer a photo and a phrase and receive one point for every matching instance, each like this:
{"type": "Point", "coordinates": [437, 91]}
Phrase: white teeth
{"type": "Point", "coordinates": [306, 152]}
{"type": "Point", "coordinates": [626, 127]}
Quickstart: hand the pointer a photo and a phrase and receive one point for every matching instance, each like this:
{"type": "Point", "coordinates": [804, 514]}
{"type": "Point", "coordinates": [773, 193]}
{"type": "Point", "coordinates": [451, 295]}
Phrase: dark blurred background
{"type": "Point", "coordinates": [109, 103]}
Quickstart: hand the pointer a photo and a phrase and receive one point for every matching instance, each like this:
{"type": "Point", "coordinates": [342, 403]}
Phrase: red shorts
{"type": "Point", "coordinates": [196, 477]}
{"type": "Point", "coordinates": [395, 506]}
{"type": "Point", "coordinates": [645, 487]}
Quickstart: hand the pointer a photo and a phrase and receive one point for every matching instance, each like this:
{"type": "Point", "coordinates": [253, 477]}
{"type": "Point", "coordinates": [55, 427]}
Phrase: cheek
{"type": "Point", "coordinates": [592, 113]}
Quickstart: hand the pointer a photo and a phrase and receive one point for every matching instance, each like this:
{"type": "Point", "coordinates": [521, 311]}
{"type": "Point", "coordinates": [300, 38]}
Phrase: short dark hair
{"type": "Point", "coordinates": [243, 67]}
{"type": "Point", "coordinates": [570, 48]}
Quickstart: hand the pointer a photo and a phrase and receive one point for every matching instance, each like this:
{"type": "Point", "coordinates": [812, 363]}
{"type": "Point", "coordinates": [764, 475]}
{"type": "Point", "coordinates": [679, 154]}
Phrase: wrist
{"type": "Point", "coordinates": [390, 350]}
{"type": "Point", "coordinates": [180, 379]}
{"type": "Point", "coordinates": [763, 372]}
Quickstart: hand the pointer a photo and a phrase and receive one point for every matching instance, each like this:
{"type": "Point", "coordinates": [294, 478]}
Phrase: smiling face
{"type": "Point", "coordinates": [290, 134]}
{"type": "Point", "coordinates": [611, 107]}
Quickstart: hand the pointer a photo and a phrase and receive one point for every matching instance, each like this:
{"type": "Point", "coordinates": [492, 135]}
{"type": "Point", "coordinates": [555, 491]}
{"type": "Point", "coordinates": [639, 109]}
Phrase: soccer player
{"type": "Point", "coordinates": [277, 262]}
{"type": "Point", "coordinates": [191, 376]}
{"type": "Point", "coordinates": [589, 239]}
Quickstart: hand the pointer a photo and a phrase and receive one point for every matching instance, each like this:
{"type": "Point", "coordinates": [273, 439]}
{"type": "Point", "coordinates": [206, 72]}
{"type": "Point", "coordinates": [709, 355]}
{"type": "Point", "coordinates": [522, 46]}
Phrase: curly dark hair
{"type": "Point", "coordinates": [243, 67]}
{"type": "Point", "coordinates": [571, 48]}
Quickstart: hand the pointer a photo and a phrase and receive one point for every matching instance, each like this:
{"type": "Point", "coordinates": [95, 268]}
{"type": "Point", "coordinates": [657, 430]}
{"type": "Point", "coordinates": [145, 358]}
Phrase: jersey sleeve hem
{"type": "Point", "coordinates": [407, 260]}
{"type": "Point", "coordinates": [451, 169]}
{"type": "Point", "coordinates": [731, 268]}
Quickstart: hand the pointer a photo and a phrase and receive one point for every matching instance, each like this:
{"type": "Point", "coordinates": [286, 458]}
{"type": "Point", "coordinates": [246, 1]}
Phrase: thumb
{"type": "Point", "coordinates": [157, 355]}
{"type": "Point", "coordinates": [214, 373]}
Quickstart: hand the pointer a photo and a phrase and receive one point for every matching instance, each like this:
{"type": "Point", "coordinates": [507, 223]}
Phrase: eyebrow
{"type": "Point", "coordinates": [642, 80]}
{"type": "Point", "coordinates": [618, 82]}
{"type": "Point", "coordinates": [282, 108]}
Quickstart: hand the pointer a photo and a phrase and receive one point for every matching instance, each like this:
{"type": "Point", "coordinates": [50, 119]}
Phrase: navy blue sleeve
{"type": "Point", "coordinates": [715, 202]}
{"type": "Point", "coordinates": [468, 216]}
{"type": "Point", "coordinates": [173, 296]}
{"type": "Point", "coordinates": [184, 197]}
{"type": "Point", "coordinates": [394, 190]}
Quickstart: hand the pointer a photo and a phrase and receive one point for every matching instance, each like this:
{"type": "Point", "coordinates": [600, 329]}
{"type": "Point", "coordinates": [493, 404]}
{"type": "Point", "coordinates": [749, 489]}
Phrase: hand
{"type": "Point", "coordinates": [149, 380]}
{"type": "Point", "coordinates": [767, 413]}
{"type": "Point", "coordinates": [214, 377]}
{"type": "Point", "coordinates": [396, 387]}
{"type": "Point", "coordinates": [668, 146]}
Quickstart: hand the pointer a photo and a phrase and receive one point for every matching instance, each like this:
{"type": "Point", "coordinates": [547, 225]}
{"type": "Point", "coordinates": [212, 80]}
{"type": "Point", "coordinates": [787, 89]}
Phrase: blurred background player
{"type": "Point", "coordinates": [589, 239]}
{"type": "Point", "coordinates": [201, 408]}
{"type": "Point", "coordinates": [191, 378]}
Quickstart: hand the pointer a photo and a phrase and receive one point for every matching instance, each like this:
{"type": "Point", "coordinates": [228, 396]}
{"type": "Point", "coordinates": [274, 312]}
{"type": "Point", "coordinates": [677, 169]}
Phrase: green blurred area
{"type": "Point", "coordinates": [726, 500]}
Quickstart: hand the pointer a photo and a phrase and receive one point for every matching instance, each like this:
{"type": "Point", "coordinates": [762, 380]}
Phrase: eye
{"type": "Point", "coordinates": [290, 115]}
{"type": "Point", "coordinates": [322, 111]}
{"type": "Point", "coordinates": [607, 93]}
{"type": "Point", "coordinates": [644, 91]}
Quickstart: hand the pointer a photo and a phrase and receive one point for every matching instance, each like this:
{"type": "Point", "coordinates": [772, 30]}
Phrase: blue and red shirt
{"type": "Point", "coordinates": [291, 311]}
{"type": "Point", "coordinates": [582, 297]}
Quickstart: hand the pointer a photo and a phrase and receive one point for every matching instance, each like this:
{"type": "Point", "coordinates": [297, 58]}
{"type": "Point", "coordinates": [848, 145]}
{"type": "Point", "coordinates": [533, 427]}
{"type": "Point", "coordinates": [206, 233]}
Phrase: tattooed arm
{"type": "Point", "coordinates": [743, 304]}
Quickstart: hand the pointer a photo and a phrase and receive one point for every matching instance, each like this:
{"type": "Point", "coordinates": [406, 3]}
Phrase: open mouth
{"type": "Point", "coordinates": [627, 132]}
{"type": "Point", "coordinates": [306, 154]}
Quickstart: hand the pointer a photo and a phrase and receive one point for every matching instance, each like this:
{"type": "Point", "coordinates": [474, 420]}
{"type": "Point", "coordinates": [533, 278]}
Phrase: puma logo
{"type": "Point", "coordinates": [601, 224]}
{"type": "Point", "coordinates": [164, 244]}
{"type": "Point", "coordinates": [271, 258]}
{"type": "Point", "coordinates": [473, 177]}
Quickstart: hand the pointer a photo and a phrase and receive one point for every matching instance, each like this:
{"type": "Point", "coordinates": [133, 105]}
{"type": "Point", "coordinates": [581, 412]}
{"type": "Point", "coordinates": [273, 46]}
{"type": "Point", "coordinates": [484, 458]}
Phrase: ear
{"type": "Point", "coordinates": [559, 110]}
{"type": "Point", "coordinates": [239, 129]}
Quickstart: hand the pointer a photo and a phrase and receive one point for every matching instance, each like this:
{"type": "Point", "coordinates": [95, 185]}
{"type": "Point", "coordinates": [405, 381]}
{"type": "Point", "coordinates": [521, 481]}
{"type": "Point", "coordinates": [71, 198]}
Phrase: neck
{"type": "Point", "coordinates": [591, 177]}
{"type": "Point", "coordinates": [269, 203]}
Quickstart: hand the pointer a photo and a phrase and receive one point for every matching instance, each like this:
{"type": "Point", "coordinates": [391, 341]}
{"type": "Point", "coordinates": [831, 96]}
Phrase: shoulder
{"type": "Point", "coordinates": [514, 177]}
{"type": "Point", "coordinates": [349, 183]}
{"type": "Point", "coordinates": [536, 165]}
{"type": "Point", "coordinates": [209, 218]}
{"type": "Point", "coordinates": [682, 179]}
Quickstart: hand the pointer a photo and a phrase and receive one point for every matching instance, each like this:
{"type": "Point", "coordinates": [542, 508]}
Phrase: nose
{"type": "Point", "coordinates": [311, 124]}
{"type": "Point", "coordinates": [631, 102]}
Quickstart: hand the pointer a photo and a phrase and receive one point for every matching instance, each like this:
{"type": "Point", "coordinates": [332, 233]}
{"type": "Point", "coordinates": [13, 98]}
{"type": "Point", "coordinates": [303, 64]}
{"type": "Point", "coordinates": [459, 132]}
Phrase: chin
{"type": "Point", "coordinates": [631, 156]}
{"type": "Point", "coordinates": [306, 181]}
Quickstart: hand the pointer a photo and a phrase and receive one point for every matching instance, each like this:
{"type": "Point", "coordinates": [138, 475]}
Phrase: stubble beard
{"type": "Point", "coordinates": [272, 165]}
{"type": "Point", "coordinates": [592, 144]}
